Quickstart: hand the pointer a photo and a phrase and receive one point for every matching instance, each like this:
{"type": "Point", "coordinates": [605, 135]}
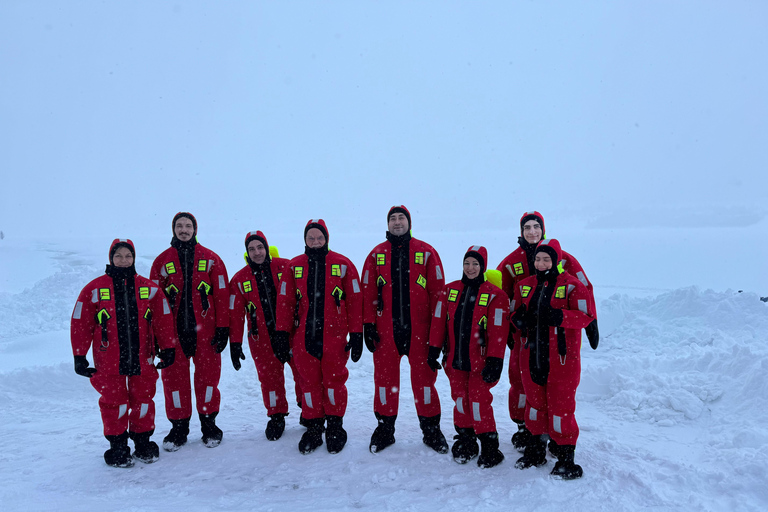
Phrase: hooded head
{"type": "Point", "coordinates": [479, 253]}
{"type": "Point", "coordinates": [316, 224]}
{"type": "Point", "coordinates": [117, 243]}
{"type": "Point", "coordinates": [552, 248]}
{"type": "Point", "coordinates": [258, 236]}
{"type": "Point", "coordinates": [532, 216]}
{"type": "Point", "coordinates": [399, 209]}
{"type": "Point", "coordinates": [188, 216]}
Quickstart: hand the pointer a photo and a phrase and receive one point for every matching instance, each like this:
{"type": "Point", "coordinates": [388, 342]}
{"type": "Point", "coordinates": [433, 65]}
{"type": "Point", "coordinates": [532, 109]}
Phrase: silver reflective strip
{"type": "Point", "coordinates": [427, 396]}
{"type": "Point", "coordinates": [166, 309]}
{"type": "Point", "coordinates": [426, 257]}
{"type": "Point", "coordinates": [210, 265]}
{"type": "Point", "coordinates": [521, 401]}
{"type": "Point", "coordinates": [438, 272]}
{"type": "Point", "coordinates": [498, 316]}
{"type": "Point", "coordinates": [176, 400]}
{"type": "Point", "coordinates": [95, 295]}
{"type": "Point", "coordinates": [222, 283]}
{"type": "Point", "coordinates": [143, 411]}
{"type": "Point", "coordinates": [240, 287]}
{"type": "Point", "coordinates": [544, 242]}
{"type": "Point", "coordinates": [122, 410]}
{"type": "Point", "coordinates": [123, 239]}
{"type": "Point", "coordinates": [365, 277]}
{"type": "Point", "coordinates": [582, 278]}
{"type": "Point", "coordinates": [152, 292]}
{"type": "Point", "coordinates": [509, 269]}
{"type": "Point", "coordinates": [383, 395]}
{"type": "Point", "coordinates": [460, 405]}
{"type": "Point", "coordinates": [156, 281]}
{"type": "Point", "coordinates": [570, 288]}
{"type": "Point", "coordinates": [78, 311]}
{"type": "Point", "coordinates": [283, 288]}
{"type": "Point", "coordinates": [331, 397]}
{"type": "Point", "coordinates": [556, 424]}
{"type": "Point", "coordinates": [439, 309]}
{"type": "Point", "coordinates": [208, 394]}
{"type": "Point", "coordinates": [582, 306]}
{"type": "Point", "coordinates": [476, 411]}
{"type": "Point", "coordinates": [512, 305]}
{"type": "Point", "coordinates": [355, 286]}
{"type": "Point", "coordinates": [533, 414]}
{"type": "Point", "coordinates": [314, 221]}
{"type": "Point", "coordinates": [475, 248]}
{"type": "Point", "coordinates": [272, 399]}
{"type": "Point", "coordinates": [163, 272]}
{"type": "Point", "coordinates": [343, 270]}
{"type": "Point", "coordinates": [308, 400]}
{"type": "Point", "coordinates": [232, 301]}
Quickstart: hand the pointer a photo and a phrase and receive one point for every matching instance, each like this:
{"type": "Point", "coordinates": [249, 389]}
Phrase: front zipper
{"type": "Point", "coordinates": [264, 287]}
{"type": "Point", "coordinates": [400, 278]}
{"type": "Point", "coordinates": [185, 269]}
{"type": "Point", "coordinates": [538, 323]}
{"type": "Point", "coordinates": [461, 324]}
{"type": "Point", "coordinates": [128, 323]}
{"type": "Point", "coordinates": [314, 306]}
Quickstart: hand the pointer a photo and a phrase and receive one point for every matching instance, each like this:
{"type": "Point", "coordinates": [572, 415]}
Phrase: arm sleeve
{"type": "Point", "coordinates": [154, 274]}
{"type": "Point", "coordinates": [83, 323]}
{"type": "Point", "coordinates": [498, 325]}
{"type": "Point", "coordinates": [435, 279]}
{"type": "Point", "coordinates": [220, 291]}
{"type": "Point", "coordinates": [439, 321]}
{"type": "Point", "coordinates": [574, 268]}
{"type": "Point", "coordinates": [286, 301]}
{"type": "Point", "coordinates": [354, 299]}
{"type": "Point", "coordinates": [163, 326]}
{"type": "Point", "coordinates": [236, 313]}
{"type": "Point", "coordinates": [370, 290]}
{"type": "Point", "coordinates": [507, 281]}
{"type": "Point", "coordinates": [579, 313]}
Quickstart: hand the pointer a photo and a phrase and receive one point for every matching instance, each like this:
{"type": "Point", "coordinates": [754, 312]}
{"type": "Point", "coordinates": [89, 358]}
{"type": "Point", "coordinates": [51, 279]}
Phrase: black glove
{"type": "Point", "coordinates": [519, 317]}
{"type": "Point", "coordinates": [355, 344]}
{"type": "Point", "coordinates": [81, 367]}
{"type": "Point", "coordinates": [219, 341]}
{"type": "Point", "coordinates": [371, 337]}
{"type": "Point", "coordinates": [236, 354]}
{"type": "Point", "coordinates": [511, 338]}
{"type": "Point", "coordinates": [492, 370]}
{"type": "Point", "coordinates": [434, 354]}
{"type": "Point", "coordinates": [280, 346]}
{"type": "Point", "coordinates": [167, 357]}
{"type": "Point", "coordinates": [551, 316]}
{"type": "Point", "coordinates": [593, 335]}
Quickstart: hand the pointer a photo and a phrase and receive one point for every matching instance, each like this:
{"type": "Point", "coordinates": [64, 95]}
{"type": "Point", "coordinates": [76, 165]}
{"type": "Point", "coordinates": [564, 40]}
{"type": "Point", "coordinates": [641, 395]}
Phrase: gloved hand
{"type": "Point", "coordinates": [167, 357]}
{"type": "Point", "coordinates": [81, 367]}
{"type": "Point", "coordinates": [371, 337]}
{"type": "Point", "coordinates": [281, 346]}
{"type": "Point", "coordinates": [518, 318]}
{"type": "Point", "coordinates": [432, 358]}
{"type": "Point", "coordinates": [355, 344]}
{"type": "Point", "coordinates": [593, 335]}
{"type": "Point", "coordinates": [219, 341]}
{"type": "Point", "coordinates": [551, 316]}
{"type": "Point", "coordinates": [236, 354]}
{"type": "Point", "coordinates": [492, 369]}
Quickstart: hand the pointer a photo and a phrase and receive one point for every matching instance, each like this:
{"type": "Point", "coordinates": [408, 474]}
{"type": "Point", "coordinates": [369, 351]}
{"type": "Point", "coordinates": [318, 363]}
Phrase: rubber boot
{"type": "Point", "coordinates": [565, 468]}
{"type": "Point", "coordinates": [146, 451]}
{"type": "Point", "coordinates": [535, 454]}
{"type": "Point", "coordinates": [313, 437]}
{"type": "Point", "coordinates": [433, 436]}
{"type": "Point", "coordinates": [177, 437]}
{"type": "Point", "coordinates": [384, 435]}
{"type": "Point", "coordinates": [490, 455]}
{"type": "Point", "coordinates": [521, 438]}
{"type": "Point", "coordinates": [212, 434]}
{"type": "Point", "coordinates": [275, 426]}
{"type": "Point", "coordinates": [119, 454]}
{"type": "Point", "coordinates": [335, 435]}
{"type": "Point", "coordinates": [465, 445]}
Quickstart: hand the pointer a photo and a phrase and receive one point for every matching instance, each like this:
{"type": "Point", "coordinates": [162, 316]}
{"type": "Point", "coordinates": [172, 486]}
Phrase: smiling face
{"type": "Point", "coordinates": [543, 261]}
{"type": "Point", "coordinates": [315, 239]}
{"type": "Point", "coordinates": [257, 252]}
{"type": "Point", "coordinates": [184, 229]}
{"type": "Point", "coordinates": [472, 267]}
{"type": "Point", "coordinates": [122, 258]}
{"type": "Point", "coordinates": [532, 231]}
{"type": "Point", "coordinates": [398, 224]}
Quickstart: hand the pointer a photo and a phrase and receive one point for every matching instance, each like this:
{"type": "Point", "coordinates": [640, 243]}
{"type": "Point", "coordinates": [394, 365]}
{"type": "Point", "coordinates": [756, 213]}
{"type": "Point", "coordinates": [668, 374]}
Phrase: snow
{"type": "Point", "coordinates": [638, 131]}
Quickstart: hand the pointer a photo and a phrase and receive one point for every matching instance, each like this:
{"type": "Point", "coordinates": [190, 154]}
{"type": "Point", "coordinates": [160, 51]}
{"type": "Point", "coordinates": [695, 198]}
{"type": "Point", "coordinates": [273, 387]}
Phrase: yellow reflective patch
{"type": "Point", "coordinates": [202, 265]}
{"type": "Point", "coordinates": [380, 281]}
{"type": "Point", "coordinates": [279, 276]}
{"type": "Point", "coordinates": [298, 294]}
{"type": "Point", "coordinates": [102, 316]}
{"type": "Point", "coordinates": [170, 268]}
{"type": "Point", "coordinates": [483, 322]}
{"type": "Point", "coordinates": [148, 314]}
{"type": "Point", "coordinates": [104, 294]}
{"type": "Point", "coordinates": [171, 288]}
{"type": "Point", "coordinates": [518, 268]}
{"type": "Point", "coordinates": [525, 290]}
{"type": "Point", "coordinates": [247, 286]}
{"type": "Point", "coordinates": [337, 292]}
{"type": "Point", "coordinates": [483, 301]}
{"type": "Point", "coordinates": [419, 258]}
{"type": "Point", "coordinates": [251, 306]}
{"type": "Point", "coordinates": [381, 259]}
{"type": "Point", "coordinates": [421, 281]}
{"type": "Point", "coordinates": [298, 272]}
{"type": "Point", "coordinates": [560, 292]}
{"type": "Point", "coordinates": [453, 295]}
{"type": "Point", "coordinates": [144, 292]}
{"type": "Point", "coordinates": [335, 270]}
{"type": "Point", "coordinates": [204, 286]}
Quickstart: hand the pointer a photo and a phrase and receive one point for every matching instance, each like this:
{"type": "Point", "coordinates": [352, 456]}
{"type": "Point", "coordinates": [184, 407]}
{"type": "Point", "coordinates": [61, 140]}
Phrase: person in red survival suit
{"type": "Point", "coordinates": [550, 309]}
{"type": "Point", "coordinates": [472, 315]}
{"type": "Point", "coordinates": [402, 279]}
{"type": "Point", "coordinates": [195, 282]}
{"type": "Point", "coordinates": [319, 302]}
{"type": "Point", "coordinates": [517, 266]}
{"type": "Point", "coordinates": [253, 295]}
{"type": "Point", "coordinates": [121, 314]}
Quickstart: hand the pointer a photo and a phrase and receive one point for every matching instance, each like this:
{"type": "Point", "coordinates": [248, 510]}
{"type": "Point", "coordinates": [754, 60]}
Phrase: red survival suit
{"type": "Point", "coordinates": [551, 355]}
{"type": "Point", "coordinates": [195, 282]}
{"type": "Point", "coordinates": [517, 266]}
{"type": "Point", "coordinates": [319, 302]}
{"type": "Point", "coordinates": [253, 296]}
{"type": "Point", "coordinates": [120, 314]}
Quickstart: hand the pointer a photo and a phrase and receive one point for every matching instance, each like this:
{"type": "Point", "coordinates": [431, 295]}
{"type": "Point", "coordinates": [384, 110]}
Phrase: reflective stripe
{"type": "Point", "coordinates": [176, 400]}
{"type": "Point", "coordinates": [272, 399]}
{"type": "Point", "coordinates": [512, 305]}
{"type": "Point", "coordinates": [331, 398]}
{"type": "Point", "coordinates": [383, 395]}
{"type": "Point", "coordinates": [343, 270]}
{"type": "Point", "coordinates": [521, 401]}
{"type": "Point", "coordinates": [308, 400]}
{"type": "Point", "coordinates": [533, 414]}
{"type": "Point", "coordinates": [426, 257]}
{"type": "Point", "coordinates": [166, 309]}
{"type": "Point", "coordinates": [122, 410]}
{"type": "Point", "coordinates": [582, 278]}
{"type": "Point", "coordinates": [438, 272]}
{"type": "Point", "coordinates": [152, 292]}
{"type": "Point", "coordinates": [460, 405]}
{"type": "Point", "coordinates": [582, 306]}
{"type": "Point", "coordinates": [475, 248]}
{"type": "Point", "coordinates": [163, 272]}
{"type": "Point", "coordinates": [427, 396]}
{"type": "Point", "coordinates": [544, 242]}
{"type": "Point", "coordinates": [222, 284]}
{"type": "Point", "coordinates": [78, 311]}
{"type": "Point", "coordinates": [232, 301]}
{"type": "Point", "coordinates": [156, 281]}
{"type": "Point", "coordinates": [208, 394]}
{"type": "Point", "coordinates": [439, 309]}
{"type": "Point", "coordinates": [143, 411]}
{"type": "Point", "coordinates": [95, 295]}
{"type": "Point", "coordinates": [283, 287]}
{"type": "Point", "coordinates": [498, 316]}
{"type": "Point", "coordinates": [570, 288]}
{"type": "Point", "coordinates": [365, 277]}
{"type": "Point", "coordinates": [556, 424]}
{"type": "Point", "coordinates": [210, 264]}
{"type": "Point", "coordinates": [355, 286]}
{"type": "Point", "coordinates": [476, 411]}
{"type": "Point", "coordinates": [511, 272]}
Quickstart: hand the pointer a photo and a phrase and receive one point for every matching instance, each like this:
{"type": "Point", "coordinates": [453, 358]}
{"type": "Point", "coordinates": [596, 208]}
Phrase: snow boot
{"type": "Point", "coordinates": [521, 438]}
{"type": "Point", "coordinates": [275, 426]}
{"type": "Point", "coordinates": [212, 434]}
{"type": "Point", "coordinates": [119, 454]}
{"type": "Point", "coordinates": [146, 451]}
{"type": "Point", "coordinates": [465, 445]}
{"type": "Point", "coordinates": [303, 421]}
{"type": "Point", "coordinates": [313, 437]}
{"type": "Point", "coordinates": [384, 435]}
{"type": "Point", "coordinates": [490, 455]}
{"type": "Point", "coordinates": [535, 454]}
{"type": "Point", "coordinates": [554, 448]}
{"type": "Point", "coordinates": [177, 437]}
{"type": "Point", "coordinates": [565, 468]}
{"type": "Point", "coordinates": [433, 436]}
{"type": "Point", "coordinates": [335, 435]}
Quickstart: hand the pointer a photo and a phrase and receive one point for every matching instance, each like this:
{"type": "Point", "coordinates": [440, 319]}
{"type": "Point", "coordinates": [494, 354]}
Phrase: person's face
{"type": "Point", "coordinates": [257, 252]}
{"type": "Point", "coordinates": [532, 231]}
{"type": "Point", "coordinates": [398, 224]}
{"type": "Point", "coordinates": [472, 267]}
{"type": "Point", "coordinates": [315, 239]}
{"type": "Point", "coordinates": [543, 261]}
{"type": "Point", "coordinates": [184, 229]}
{"type": "Point", "coordinates": [122, 258]}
